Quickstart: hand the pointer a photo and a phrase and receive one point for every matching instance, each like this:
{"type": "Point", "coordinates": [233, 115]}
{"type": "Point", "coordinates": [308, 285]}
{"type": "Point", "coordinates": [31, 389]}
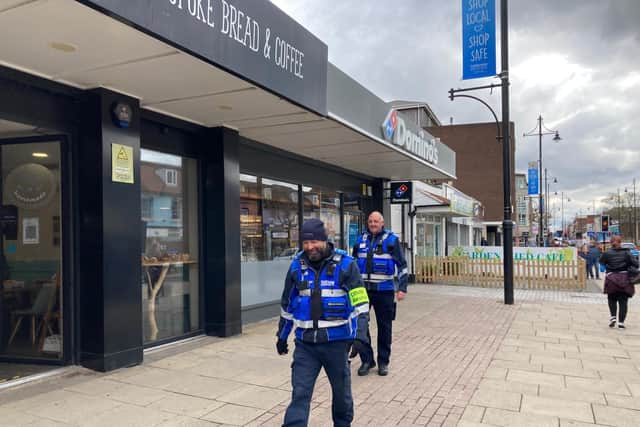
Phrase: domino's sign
{"type": "Point", "coordinates": [409, 137]}
{"type": "Point", "coordinates": [401, 192]}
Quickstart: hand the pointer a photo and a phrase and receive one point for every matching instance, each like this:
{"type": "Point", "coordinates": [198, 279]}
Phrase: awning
{"type": "Point", "coordinates": [88, 47]}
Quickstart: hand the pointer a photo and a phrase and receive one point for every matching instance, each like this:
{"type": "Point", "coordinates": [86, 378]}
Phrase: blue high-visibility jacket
{"type": "Point", "coordinates": [378, 257]}
{"type": "Point", "coordinates": [329, 304]}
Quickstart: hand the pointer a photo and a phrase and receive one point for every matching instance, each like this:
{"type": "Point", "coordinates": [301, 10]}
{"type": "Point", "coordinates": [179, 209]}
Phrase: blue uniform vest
{"type": "Point", "coordinates": [379, 274]}
{"type": "Point", "coordinates": [333, 309]}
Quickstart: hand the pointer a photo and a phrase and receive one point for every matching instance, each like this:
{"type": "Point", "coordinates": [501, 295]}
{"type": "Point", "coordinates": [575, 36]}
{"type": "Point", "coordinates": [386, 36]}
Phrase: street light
{"type": "Point", "coordinates": [556, 138]}
{"type": "Point", "coordinates": [635, 218]}
{"type": "Point", "coordinates": [562, 208]}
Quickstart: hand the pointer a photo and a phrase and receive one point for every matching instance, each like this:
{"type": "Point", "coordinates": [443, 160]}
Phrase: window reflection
{"type": "Point", "coordinates": [268, 219]}
{"type": "Point", "coordinates": [170, 250]}
{"type": "Point", "coordinates": [324, 205]}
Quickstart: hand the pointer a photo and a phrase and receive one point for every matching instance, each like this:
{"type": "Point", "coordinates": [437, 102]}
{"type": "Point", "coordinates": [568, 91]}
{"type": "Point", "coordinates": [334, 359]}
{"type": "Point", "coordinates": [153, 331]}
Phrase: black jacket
{"type": "Point", "coordinates": [617, 260]}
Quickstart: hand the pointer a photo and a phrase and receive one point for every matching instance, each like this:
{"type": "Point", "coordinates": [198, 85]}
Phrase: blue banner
{"type": "Point", "coordinates": [533, 182]}
{"type": "Point", "coordinates": [478, 39]}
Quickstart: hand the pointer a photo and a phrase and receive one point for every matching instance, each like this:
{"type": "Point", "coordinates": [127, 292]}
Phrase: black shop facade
{"type": "Point", "coordinates": [157, 161]}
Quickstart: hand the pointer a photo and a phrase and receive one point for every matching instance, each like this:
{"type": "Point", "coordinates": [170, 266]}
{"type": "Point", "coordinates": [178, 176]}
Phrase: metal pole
{"type": "Point", "coordinates": [562, 208]}
{"type": "Point", "coordinates": [507, 224]}
{"type": "Point", "coordinates": [635, 222]}
{"type": "Point", "coordinates": [546, 207]}
{"type": "Point", "coordinates": [540, 236]}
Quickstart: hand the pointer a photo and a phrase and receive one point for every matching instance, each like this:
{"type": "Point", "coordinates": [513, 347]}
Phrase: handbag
{"type": "Point", "coordinates": [602, 268]}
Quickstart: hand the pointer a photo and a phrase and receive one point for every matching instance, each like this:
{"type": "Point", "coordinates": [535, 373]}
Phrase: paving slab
{"type": "Point", "coordinates": [579, 411]}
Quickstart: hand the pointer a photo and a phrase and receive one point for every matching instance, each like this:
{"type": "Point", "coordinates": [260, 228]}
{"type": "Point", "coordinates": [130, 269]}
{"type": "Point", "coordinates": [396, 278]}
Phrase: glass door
{"type": "Point", "coordinates": [30, 251]}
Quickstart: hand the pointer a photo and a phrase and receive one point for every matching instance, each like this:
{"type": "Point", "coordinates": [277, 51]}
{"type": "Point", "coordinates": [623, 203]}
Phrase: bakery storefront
{"type": "Point", "coordinates": [157, 161]}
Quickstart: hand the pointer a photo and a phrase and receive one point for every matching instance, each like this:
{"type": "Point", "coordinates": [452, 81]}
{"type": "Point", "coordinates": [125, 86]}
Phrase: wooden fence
{"type": "Point", "coordinates": [488, 273]}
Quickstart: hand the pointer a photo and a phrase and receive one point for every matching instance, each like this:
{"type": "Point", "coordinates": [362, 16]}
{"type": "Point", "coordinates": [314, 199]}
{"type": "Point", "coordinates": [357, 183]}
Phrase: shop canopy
{"type": "Point", "coordinates": [255, 70]}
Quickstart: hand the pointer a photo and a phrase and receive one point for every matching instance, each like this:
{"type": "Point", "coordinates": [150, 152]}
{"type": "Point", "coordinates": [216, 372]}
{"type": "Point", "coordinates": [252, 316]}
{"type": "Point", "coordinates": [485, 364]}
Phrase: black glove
{"type": "Point", "coordinates": [357, 347]}
{"type": "Point", "coordinates": [282, 346]}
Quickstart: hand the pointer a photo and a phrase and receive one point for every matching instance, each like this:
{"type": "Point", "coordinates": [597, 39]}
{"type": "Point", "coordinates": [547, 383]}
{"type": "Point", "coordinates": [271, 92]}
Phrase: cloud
{"type": "Point", "coordinates": [575, 62]}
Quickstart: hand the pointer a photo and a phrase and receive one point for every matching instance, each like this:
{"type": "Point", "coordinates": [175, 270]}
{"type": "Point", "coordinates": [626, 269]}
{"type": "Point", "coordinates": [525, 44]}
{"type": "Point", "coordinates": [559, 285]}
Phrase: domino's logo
{"type": "Point", "coordinates": [390, 124]}
{"type": "Point", "coordinates": [400, 191]}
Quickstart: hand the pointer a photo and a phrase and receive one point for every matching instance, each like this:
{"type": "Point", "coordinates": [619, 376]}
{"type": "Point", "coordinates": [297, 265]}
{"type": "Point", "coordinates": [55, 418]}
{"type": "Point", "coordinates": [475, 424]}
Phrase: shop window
{"type": "Point", "coordinates": [170, 284]}
{"type": "Point", "coordinates": [269, 232]}
{"type": "Point", "coordinates": [325, 205]}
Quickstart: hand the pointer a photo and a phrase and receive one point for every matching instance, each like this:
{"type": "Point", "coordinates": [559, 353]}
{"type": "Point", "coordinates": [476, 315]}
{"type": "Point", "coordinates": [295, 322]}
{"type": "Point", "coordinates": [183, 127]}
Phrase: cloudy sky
{"type": "Point", "coordinates": [575, 62]}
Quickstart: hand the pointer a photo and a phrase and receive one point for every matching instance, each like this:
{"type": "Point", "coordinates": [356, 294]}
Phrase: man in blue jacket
{"type": "Point", "coordinates": [379, 254]}
{"type": "Point", "coordinates": [325, 300]}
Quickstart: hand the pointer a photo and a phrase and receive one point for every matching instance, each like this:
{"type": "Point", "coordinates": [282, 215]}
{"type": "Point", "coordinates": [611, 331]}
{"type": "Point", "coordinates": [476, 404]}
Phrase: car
{"type": "Point", "coordinates": [632, 247]}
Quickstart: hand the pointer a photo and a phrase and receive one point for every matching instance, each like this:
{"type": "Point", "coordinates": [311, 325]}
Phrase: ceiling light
{"type": "Point", "coordinates": [62, 47]}
{"type": "Point", "coordinates": [40, 155]}
{"type": "Point", "coordinates": [225, 107]}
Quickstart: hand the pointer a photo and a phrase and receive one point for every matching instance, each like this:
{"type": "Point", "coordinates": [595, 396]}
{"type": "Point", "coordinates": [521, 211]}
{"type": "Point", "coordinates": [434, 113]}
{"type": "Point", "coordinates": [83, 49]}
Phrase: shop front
{"type": "Point", "coordinates": [154, 183]}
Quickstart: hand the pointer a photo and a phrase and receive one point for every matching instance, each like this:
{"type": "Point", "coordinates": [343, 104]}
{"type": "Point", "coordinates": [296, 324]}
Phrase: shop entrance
{"type": "Point", "coordinates": [31, 239]}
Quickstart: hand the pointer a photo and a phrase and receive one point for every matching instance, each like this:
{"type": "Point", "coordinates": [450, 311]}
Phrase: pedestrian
{"type": "Point", "coordinates": [593, 255]}
{"type": "Point", "coordinates": [617, 286]}
{"type": "Point", "coordinates": [325, 300]}
{"type": "Point", "coordinates": [379, 254]}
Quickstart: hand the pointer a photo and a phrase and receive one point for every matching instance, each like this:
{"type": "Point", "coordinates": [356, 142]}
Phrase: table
{"type": "Point", "coordinates": [155, 288]}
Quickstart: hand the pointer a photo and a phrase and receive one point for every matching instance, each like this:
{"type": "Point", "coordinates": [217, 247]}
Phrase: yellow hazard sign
{"type": "Point", "coordinates": [122, 163]}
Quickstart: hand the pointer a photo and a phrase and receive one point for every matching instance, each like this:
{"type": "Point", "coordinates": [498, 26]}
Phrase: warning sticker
{"type": "Point", "coordinates": [121, 163]}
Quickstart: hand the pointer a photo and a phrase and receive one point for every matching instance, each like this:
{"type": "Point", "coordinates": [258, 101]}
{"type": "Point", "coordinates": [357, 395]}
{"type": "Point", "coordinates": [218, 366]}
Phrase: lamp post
{"type": "Point", "coordinates": [548, 212]}
{"type": "Point", "coordinates": [562, 209]}
{"type": "Point", "coordinates": [556, 138]}
{"type": "Point", "coordinates": [635, 220]}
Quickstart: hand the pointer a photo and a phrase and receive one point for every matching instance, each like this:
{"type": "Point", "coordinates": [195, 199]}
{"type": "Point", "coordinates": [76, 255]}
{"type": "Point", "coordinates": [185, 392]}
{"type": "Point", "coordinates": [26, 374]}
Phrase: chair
{"type": "Point", "coordinates": [41, 307]}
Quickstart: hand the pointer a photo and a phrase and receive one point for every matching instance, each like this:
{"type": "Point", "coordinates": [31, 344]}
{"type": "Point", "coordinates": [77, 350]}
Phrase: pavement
{"type": "Point", "coordinates": [460, 357]}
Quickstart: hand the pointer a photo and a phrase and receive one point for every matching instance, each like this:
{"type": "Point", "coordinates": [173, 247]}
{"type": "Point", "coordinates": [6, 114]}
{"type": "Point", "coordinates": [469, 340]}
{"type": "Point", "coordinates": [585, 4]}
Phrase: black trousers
{"type": "Point", "coordinates": [308, 359]}
{"type": "Point", "coordinates": [618, 298]}
{"type": "Point", "coordinates": [382, 303]}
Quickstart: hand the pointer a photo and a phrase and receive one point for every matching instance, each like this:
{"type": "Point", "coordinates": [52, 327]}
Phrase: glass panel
{"type": "Point", "coordinates": [269, 229]}
{"type": "Point", "coordinates": [30, 251]}
{"type": "Point", "coordinates": [324, 205]}
{"type": "Point", "coordinates": [170, 289]}
{"type": "Point", "coordinates": [353, 220]}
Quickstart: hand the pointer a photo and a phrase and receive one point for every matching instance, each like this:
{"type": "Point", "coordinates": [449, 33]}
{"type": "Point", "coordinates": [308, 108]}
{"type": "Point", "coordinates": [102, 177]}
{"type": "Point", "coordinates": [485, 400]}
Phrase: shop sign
{"type": "Point", "coordinates": [253, 39]}
{"type": "Point", "coordinates": [401, 192]}
{"type": "Point", "coordinates": [478, 39]}
{"type": "Point", "coordinates": [122, 163]}
{"type": "Point", "coordinates": [519, 253]}
{"type": "Point", "coordinates": [460, 203]}
{"type": "Point", "coordinates": [410, 137]}
{"type": "Point", "coordinates": [30, 186]}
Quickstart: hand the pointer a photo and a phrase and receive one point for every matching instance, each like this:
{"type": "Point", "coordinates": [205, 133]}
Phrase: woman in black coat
{"type": "Point", "coordinates": [617, 286]}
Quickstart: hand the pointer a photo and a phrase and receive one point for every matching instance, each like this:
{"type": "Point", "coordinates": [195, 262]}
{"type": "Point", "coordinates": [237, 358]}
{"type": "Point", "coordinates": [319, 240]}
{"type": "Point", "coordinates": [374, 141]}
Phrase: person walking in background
{"type": "Point", "coordinates": [325, 300]}
{"type": "Point", "coordinates": [617, 285]}
{"type": "Point", "coordinates": [593, 257]}
{"type": "Point", "coordinates": [378, 253]}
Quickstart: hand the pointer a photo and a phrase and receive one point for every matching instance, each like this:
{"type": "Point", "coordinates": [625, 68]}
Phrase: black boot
{"type": "Point", "coordinates": [365, 368]}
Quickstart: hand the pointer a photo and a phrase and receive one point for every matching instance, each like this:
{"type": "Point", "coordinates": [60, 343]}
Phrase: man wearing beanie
{"type": "Point", "coordinates": [325, 300]}
{"type": "Point", "coordinates": [379, 254]}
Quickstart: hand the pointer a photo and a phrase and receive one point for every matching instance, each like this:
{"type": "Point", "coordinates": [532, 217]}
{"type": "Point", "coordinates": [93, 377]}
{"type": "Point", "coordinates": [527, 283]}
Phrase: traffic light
{"type": "Point", "coordinates": [605, 222]}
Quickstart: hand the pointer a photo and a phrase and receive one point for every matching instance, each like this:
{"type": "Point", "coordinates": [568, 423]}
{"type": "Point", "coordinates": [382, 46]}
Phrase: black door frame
{"type": "Point", "coordinates": [69, 325]}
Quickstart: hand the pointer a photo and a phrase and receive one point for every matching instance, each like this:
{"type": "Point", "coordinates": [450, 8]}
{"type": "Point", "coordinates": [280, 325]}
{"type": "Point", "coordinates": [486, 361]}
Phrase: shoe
{"type": "Point", "coordinates": [612, 322]}
{"type": "Point", "coordinates": [621, 326]}
{"type": "Point", "coordinates": [365, 368]}
{"type": "Point", "coordinates": [383, 370]}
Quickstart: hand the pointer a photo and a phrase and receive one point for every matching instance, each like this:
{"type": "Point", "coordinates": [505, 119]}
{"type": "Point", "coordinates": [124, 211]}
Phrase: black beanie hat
{"type": "Point", "coordinates": [313, 229]}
